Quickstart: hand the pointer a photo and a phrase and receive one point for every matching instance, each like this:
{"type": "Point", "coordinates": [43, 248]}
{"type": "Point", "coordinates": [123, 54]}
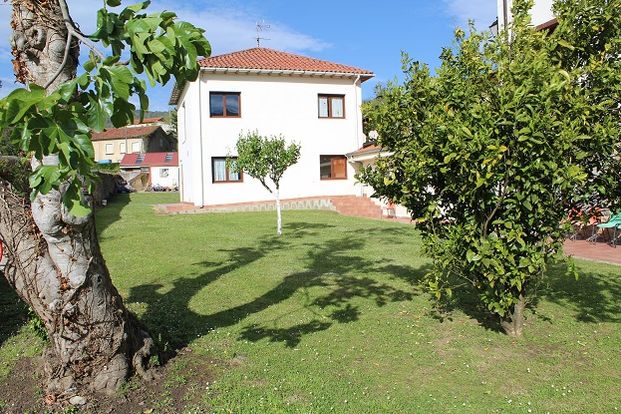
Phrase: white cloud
{"type": "Point", "coordinates": [231, 29]}
{"type": "Point", "coordinates": [228, 29]}
{"type": "Point", "coordinates": [483, 12]}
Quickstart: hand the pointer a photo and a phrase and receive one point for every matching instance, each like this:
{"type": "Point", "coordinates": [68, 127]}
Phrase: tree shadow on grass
{"type": "Point", "coordinates": [595, 296]}
{"type": "Point", "coordinates": [13, 311]}
{"type": "Point", "coordinates": [333, 266]}
{"type": "Point", "coordinates": [464, 299]}
{"type": "Point", "coordinates": [299, 229]}
{"type": "Point", "coordinates": [343, 276]}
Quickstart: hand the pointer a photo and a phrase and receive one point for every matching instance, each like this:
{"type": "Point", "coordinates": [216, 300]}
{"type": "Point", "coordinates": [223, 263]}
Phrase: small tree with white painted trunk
{"type": "Point", "coordinates": [265, 159]}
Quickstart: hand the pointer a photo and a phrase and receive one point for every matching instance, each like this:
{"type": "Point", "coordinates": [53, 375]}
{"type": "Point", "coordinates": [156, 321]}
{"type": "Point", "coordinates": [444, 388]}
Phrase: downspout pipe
{"type": "Point", "coordinates": [358, 110]}
{"type": "Point", "coordinates": [358, 123]}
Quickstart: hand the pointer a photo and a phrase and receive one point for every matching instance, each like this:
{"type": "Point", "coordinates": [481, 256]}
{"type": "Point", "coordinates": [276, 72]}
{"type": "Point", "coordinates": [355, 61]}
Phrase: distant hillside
{"type": "Point", "coordinates": [148, 114]}
{"type": "Point", "coordinates": [154, 114]}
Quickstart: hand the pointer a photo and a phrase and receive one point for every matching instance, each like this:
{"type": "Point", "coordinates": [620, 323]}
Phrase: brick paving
{"type": "Point", "coordinates": [345, 205]}
{"type": "Point", "coordinates": [599, 252]}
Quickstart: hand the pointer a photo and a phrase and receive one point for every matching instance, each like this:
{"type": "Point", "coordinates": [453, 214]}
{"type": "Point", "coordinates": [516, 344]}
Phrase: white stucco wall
{"type": "Point", "coordinates": [541, 12]}
{"type": "Point", "coordinates": [170, 181]}
{"type": "Point", "coordinates": [188, 127]}
{"type": "Point", "coordinates": [276, 105]}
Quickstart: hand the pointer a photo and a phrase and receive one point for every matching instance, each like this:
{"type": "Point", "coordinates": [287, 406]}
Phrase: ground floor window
{"type": "Point", "coordinates": [333, 167]}
{"type": "Point", "coordinates": [223, 173]}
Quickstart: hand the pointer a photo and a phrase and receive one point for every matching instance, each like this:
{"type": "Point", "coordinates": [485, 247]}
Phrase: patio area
{"type": "Point", "coordinates": [600, 251]}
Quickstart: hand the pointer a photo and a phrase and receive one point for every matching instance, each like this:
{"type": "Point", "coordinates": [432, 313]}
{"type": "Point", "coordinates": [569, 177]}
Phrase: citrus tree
{"type": "Point", "coordinates": [266, 159]}
{"type": "Point", "coordinates": [52, 255]}
{"type": "Point", "coordinates": [491, 152]}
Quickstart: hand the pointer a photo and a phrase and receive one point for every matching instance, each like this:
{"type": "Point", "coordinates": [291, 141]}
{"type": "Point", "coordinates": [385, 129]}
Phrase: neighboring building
{"type": "Point", "coordinates": [309, 101]}
{"type": "Point", "coordinates": [161, 168]}
{"type": "Point", "coordinates": [542, 14]}
{"type": "Point", "coordinates": [149, 136]}
{"type": "Point", "coordinates": [365, 157]}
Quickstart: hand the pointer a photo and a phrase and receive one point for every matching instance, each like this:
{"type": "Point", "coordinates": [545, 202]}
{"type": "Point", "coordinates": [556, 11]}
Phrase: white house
{"type": "Point", "coordinates": [161, 169]}
{"type": "Point", "coordinates": [150, 135]}
{"type": "Point", "coordinates": [368, 156]}
{"type": "Point", "coordinates": [542, 14]}
{"type": "Point", "coordinates": [309, 101]}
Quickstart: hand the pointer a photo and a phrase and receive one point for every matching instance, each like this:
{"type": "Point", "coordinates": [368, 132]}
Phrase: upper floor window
{"type": "Point", "coordinates": [222, 173]}
{"type": "Point", "coordinates": [331, 106]}
{"type": "Point", "coordinates": [109, 149]}
{"type": "Point", "coordinates": [136, 146]}
{"type": "Point", "coordinates": [333, 167]}
{"type": "Point", "coordinates": [224, 104]}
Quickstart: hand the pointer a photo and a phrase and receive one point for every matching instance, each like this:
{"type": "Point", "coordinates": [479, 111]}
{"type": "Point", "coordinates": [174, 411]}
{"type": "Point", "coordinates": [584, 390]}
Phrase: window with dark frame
{"type": "Point", "coordinates": [221, 173]}
{"type": "Point", "coordinates": [224, 104]}
{"type": "Point", "coordinates": [331, 106]}
{"type": "Point", "coordinates": [333, 167]}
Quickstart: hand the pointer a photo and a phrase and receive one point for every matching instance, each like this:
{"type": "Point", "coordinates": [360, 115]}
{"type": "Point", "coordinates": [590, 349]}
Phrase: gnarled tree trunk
{"type": "Point", "coordinates": [52, 258]}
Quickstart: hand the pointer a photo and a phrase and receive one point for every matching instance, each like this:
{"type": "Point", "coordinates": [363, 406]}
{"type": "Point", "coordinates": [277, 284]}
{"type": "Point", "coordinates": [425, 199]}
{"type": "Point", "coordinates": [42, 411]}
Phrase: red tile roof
{"type": "Point", "coordinates": [150, 159]}
{"type": "Point", "coordinates": [261, 58]}
{"type": "Point", "coordinates": [125, 132]}
{"type": "Point", "coordinates": [270, 59]}
{"type": "Point", "coordinates": [367, 150]}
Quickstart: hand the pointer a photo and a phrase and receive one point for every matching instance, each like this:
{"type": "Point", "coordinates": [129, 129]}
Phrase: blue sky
{"type": "Point", "coordinates": [363, 33]}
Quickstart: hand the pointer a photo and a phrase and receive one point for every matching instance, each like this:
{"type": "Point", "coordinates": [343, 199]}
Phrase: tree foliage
{"type": "Point", "coordinates": [492, 151]}
{"type": "Point", "coordinates": [59, 124]}
{"type": "Point", "coordinates": [265, 158]}
{"type": "Point", "coordinates": [590, 33]}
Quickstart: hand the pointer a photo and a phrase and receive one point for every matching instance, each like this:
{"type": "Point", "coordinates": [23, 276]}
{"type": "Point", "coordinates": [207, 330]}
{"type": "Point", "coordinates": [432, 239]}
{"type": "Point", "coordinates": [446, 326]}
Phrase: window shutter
{"type": "Point", "coordinates": [339, 167]}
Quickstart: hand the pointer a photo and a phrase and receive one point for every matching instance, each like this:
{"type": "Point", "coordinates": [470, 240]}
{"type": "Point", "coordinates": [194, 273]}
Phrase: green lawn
{"type": "Point", "coordinates": [329, 318]}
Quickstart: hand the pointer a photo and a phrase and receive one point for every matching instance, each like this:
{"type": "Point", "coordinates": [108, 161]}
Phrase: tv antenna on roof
{"type": "Point", "coordinates": [261, 26]}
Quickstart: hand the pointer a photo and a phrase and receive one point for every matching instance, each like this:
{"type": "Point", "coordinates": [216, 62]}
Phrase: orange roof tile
{"type": "Point", "coordinates": [270, 59]}
{"type": "Point", "coordinates": [367, 149]}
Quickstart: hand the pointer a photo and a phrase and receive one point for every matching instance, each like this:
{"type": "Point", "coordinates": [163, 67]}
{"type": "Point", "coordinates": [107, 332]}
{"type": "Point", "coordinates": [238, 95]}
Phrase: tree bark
{"type": "Point", "coordinates": [52, 258]}
{"type": "Point", "coordinates": [513, 322]}
{"type": "Point", "coordinates": [278, 214]}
